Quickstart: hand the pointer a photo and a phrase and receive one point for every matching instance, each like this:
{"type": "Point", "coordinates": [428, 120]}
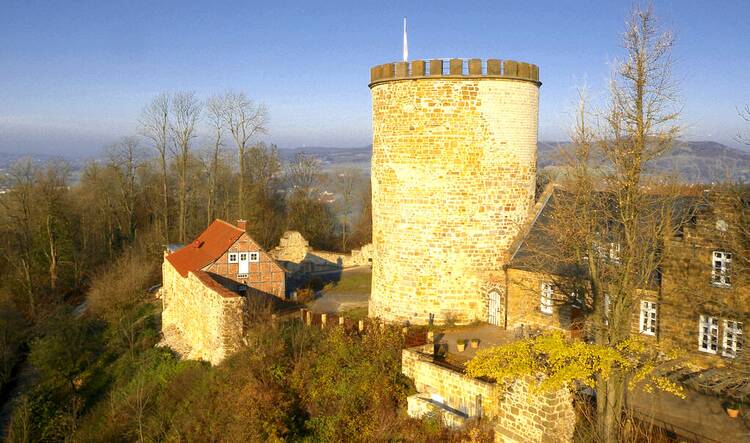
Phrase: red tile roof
{"type": "Point", "coordinates": [209, 246]}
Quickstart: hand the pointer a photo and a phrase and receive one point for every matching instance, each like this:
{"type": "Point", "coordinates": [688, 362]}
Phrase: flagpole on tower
{"type": "Point", "coordinates": [406, 44]}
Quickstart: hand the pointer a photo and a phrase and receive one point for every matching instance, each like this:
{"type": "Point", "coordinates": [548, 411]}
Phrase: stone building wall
{"type": "Point", "coordinates": [453, 174]}
{"type": "Point", "coordinates": [524, 289]}
{"type": "Point", "coordinates": [687, 288]}
{"type": "Point", "coordinates": [201, 315]}
{"type": "Point", "coordinates": [518, 415]}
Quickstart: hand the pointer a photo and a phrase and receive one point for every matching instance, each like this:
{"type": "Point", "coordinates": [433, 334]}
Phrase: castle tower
{"type": "Point", "coordinates": [453, 176]}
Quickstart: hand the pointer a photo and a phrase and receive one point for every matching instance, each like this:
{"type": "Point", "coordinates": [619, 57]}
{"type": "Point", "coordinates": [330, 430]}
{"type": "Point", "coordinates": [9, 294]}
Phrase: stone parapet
{"type": "Point", "coordinates": [455, 68]}
{"type": "Point", "coordinates": [517, 412]}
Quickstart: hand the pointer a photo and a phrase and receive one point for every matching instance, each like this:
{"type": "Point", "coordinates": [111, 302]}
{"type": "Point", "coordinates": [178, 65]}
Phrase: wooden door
{"type": "Point", "coordinates": [243, 264]}
{"type": "Point", "coordinates": [494, 309]}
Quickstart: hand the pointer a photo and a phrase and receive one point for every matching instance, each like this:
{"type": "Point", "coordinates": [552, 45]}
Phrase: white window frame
{"type": "Point", "coordinates": [547, 291]}
{"type": "Point", "coordinates": [614, 252]}
{"type": "Point", "coordinates": [721, 262]}
{"type": "Point", "coordinates": [649, 316]}
{"type": "Point", "coordinates": [254, 257]}
{"type": "Point", "coordinates": [732, 338]}
{"type": "Point", "coordinates": [233, 257]}
{"type": "Point", "coordinates": [708, 334]}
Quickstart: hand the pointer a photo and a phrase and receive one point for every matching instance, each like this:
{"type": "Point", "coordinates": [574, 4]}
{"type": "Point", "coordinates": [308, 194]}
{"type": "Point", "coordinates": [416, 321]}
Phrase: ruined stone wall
{"type": "Point", "coordinates": [295, 250]}
{"type": "Point", "coordinates": [207, 317]}
{"type": "Point", "coordinates": [453, 174]}
{"type": "Point", "coordinates": [518, 414]}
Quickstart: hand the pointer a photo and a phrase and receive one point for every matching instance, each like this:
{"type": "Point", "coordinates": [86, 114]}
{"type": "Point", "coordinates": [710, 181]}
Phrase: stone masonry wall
{"type": "Point", "coordinates": [519, 415]}
{"type": "Point", "coordinates": [453, 173]}
{"type": "Point", "coordinates": [470, 396]}
{"type": "Point", "coordinates": [524, 302]}
{"type": "Point", "coordinates": [687, 289]}
{"type": "Point", "coordinates": [208, 318]}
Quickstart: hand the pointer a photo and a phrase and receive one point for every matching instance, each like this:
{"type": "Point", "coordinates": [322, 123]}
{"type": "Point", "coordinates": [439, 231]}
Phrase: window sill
{"type": "Point", "coordinates": [721, 285]}
{"type": "Point", "coordinates": [650, 334]}
{"type": "Point", "coordinates": [706, 351]}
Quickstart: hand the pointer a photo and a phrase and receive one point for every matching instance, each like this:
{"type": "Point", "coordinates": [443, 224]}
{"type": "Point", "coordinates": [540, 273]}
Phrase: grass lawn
{"type": "Point", "coordinates": [356, 314]}
{"type": "Point", "coordinates": [352, 282]}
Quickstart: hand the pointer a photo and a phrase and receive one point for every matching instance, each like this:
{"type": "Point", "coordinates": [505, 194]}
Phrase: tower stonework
{"type": "Point", "coordinates": [453, 177]}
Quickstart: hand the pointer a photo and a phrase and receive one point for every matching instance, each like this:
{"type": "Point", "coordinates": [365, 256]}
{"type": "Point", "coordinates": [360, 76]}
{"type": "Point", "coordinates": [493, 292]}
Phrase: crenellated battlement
{"type": "Point", "coordinates": [454, 68]}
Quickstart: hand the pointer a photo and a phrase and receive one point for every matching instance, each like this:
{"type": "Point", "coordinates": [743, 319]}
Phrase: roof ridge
{"type": "Point", "coordinates": [227, 223]}
{"type": "Point", "coordinates": [538, 209]}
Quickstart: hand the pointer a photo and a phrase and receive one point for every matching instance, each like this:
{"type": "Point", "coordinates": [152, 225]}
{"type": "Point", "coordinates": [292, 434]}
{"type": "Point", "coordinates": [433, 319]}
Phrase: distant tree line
{"type": "Point", "coordinates": [192, 161]}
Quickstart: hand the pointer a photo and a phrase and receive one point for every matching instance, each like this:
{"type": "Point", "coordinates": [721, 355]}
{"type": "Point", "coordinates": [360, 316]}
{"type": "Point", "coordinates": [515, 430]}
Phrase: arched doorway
{"type": "Point", "coordinates": [495, 313]}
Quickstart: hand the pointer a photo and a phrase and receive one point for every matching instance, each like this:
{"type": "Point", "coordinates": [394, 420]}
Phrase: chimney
{"type": "Point", "coordinates": [242, 224]}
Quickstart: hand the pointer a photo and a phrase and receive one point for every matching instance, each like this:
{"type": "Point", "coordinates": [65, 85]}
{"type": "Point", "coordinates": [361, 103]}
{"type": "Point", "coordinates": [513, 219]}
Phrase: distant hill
{"type": "Point", "coordinates": [693, 161]}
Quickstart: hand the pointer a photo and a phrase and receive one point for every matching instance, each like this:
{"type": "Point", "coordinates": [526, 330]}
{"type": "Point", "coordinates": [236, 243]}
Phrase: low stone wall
{"type": "Point", "coordinates": [295, 250]}
{"type": "Point", "coordinates": [208, 317]}
{"type": "Point", "coordinates": [471, 397]}
{"type": "Point", "coordinates": [519, 415]}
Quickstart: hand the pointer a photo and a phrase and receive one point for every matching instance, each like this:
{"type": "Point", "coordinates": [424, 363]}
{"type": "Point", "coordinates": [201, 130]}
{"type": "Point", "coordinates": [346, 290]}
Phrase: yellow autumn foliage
{"type": "Point", "coordinates": [555, 361]}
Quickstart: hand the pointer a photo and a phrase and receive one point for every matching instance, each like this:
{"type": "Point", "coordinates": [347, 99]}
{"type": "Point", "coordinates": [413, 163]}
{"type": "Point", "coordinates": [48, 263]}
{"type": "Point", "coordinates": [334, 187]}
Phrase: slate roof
{"type": "Point", "coordinates": [207, 248]}
{"type": "Point", "coordinates": [536, 248]}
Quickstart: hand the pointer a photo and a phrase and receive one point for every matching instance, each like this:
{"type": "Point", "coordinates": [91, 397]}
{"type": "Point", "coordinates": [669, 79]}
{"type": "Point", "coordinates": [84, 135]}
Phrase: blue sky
{"type": "Point", "coordinates": [75, 76]}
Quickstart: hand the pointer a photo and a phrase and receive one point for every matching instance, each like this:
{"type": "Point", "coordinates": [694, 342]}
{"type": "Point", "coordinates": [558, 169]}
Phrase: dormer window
{"type": "Point", "coordinates": [720, 272]}
{"type": "Point", "coordinates": [232, 257]}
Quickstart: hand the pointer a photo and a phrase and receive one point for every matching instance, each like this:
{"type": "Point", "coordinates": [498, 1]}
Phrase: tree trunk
{"type": "Point", "coordinates": [52, 256]}
{"type": "Point", "coordinates": [165, 198]}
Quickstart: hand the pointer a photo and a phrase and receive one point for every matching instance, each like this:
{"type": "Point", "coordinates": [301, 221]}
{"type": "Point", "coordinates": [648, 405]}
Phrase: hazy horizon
{"type": "Point", "coordinates": [80, 83]}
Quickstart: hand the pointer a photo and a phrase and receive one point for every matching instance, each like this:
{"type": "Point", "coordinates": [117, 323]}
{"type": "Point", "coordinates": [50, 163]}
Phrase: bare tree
{"type": "Point", "coordinates": [215, 111]}
{"type": "Point", "coordinates": [607, 226]}
{"type": "Point", "coordinates": [263, 176]}
{"type": "Point", "coordinates": [618, 231]}
{"type": "Point", "coordinates": [124, 160]}
{"type": "Point", "coordinates": [244, 119]}
{"type": "Point", "coordinates": [185, 111]}
{"type": "Point", "coordinates": [154, 125]}
{"type": "Point", "coordinates": [349, 181]}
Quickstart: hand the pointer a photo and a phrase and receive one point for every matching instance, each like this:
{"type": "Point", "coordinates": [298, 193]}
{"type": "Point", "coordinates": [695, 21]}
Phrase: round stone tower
{"type": "Point", "coordinates": [453, 176]}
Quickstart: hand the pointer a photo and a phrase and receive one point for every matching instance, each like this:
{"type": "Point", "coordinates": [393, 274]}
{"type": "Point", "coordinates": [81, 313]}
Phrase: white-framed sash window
{"type": "Point", "coordinates": [648, 317]}
{"type": "Point", "coordinates": [732, 339]}
{"type": "Point", "coordinates": [545, 301]}
{"type": "Point", "coordinates": [720, 270]}
{"type": "Point", "coordinates": [708, 334]}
